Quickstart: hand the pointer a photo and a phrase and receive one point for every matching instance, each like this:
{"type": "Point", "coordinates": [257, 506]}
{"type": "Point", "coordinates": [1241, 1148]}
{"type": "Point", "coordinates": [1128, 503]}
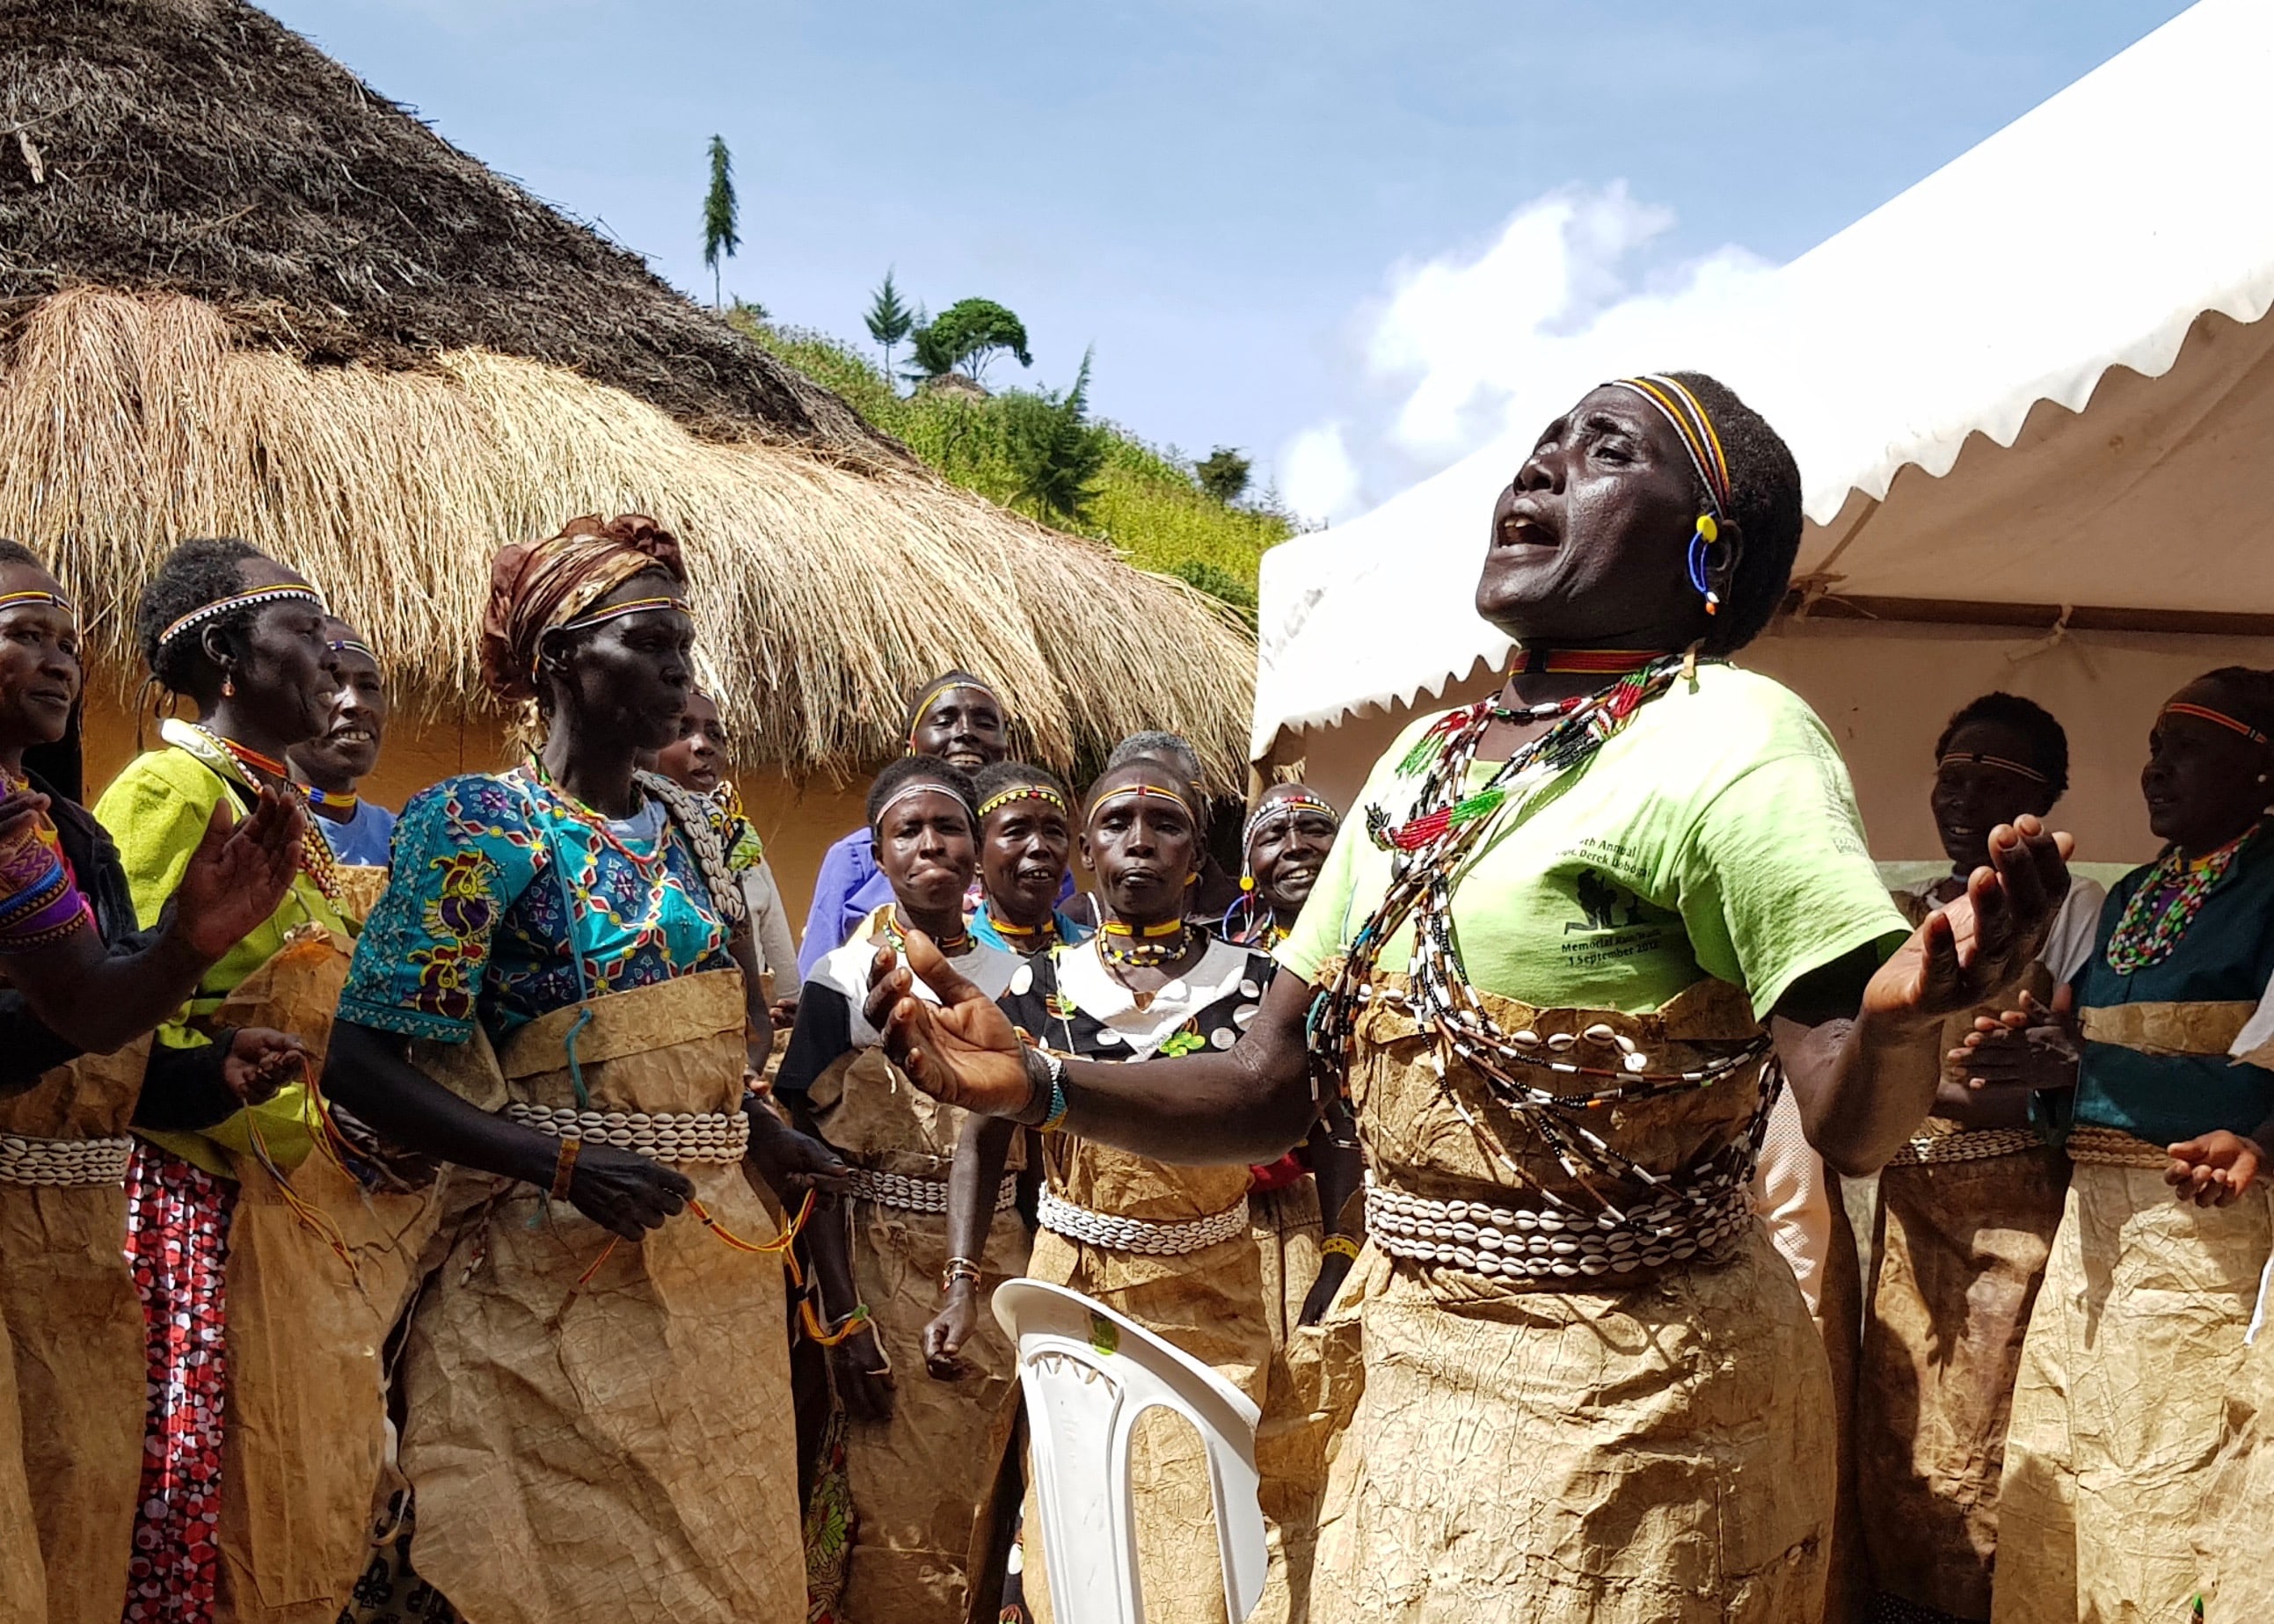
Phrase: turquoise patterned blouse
{"type": "Point", "coordinates": [475, 922]}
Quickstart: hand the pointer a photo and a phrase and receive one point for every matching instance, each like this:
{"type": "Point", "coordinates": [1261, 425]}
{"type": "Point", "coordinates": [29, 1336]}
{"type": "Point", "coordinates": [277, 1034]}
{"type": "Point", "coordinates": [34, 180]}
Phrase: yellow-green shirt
{"type": "Point", "coordinates": [156, 809]}
{"type": "Point", "coordinates": [1716, 834]}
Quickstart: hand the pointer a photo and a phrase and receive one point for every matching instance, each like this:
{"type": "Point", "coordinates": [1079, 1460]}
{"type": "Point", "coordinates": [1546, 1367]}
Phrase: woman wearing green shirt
{"type": "Point", "coordinates": [1593, 1391]}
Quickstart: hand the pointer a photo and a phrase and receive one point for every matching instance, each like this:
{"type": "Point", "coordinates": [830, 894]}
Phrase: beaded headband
{"type": "Point", "coordinates": [1286, 805]}
{"type": "Point", "coordinates": [241, 600]}
{"type": "Point", "coordinates": [1678, 406]}
{"type": "Point", "coordinates": [54, 600]}
{"type": "Point", "coordinates": [920, 786]}
{"type": "Point", "coordinates": [617, 612]}
{"type": "Point", "coordinates": [352, 645]}
{"type": "Point", "coordinates": [2204, 713]}
{"type": "Point", "coordinates": [1023, 792]}
{"type": "Point", "coordinates": [923, 707]}
{"type": "Point", "coordinates": [1975, 758]}
{"type": "Point", "coordinates": [1139, 791]}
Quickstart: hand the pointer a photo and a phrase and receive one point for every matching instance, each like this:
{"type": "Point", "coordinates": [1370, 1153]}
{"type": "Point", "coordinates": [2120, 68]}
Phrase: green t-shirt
{"type": "Point", "coordinates": [1716, 834]}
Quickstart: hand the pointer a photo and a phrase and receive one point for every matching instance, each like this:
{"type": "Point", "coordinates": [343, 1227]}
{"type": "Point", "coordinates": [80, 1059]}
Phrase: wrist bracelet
{"type": "Point", "coordinates": [958, 1268]}
{"type": "Point", "coordinates": [1056, 1114]}
{"type": "Point", "coordinates": [1338, 1246]}
{"type": "Point", "coordinates": [564, 1168]}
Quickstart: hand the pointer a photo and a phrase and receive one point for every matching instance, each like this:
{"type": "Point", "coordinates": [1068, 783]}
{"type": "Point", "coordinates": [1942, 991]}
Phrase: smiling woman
{"type": "Point", "coordinates": [560, 951]}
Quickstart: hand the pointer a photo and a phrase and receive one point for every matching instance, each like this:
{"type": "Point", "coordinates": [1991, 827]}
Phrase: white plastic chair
{"type": "Point", "coordinates": [1089, 1374]}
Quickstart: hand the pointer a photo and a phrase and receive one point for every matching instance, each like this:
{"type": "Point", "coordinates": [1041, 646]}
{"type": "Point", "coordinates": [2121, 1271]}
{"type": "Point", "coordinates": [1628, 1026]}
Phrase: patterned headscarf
{"type": "Point", "coordinates": [537, 585]}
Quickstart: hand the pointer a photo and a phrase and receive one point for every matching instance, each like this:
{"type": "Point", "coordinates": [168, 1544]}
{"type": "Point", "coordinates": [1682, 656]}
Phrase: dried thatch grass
{"type": "Point", "coordinates": [128, 422]}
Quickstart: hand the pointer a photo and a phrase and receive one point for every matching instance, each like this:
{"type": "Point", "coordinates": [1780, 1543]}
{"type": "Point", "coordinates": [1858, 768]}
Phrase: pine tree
{"type": "Point", "coordinates": [1224, 474]}
{"type": "Point", "coordinates": [889, 319]}
{"type": "Point", "coordinates": [1056, 451]}
{"type": "Point", "coordinates": [721, 213]}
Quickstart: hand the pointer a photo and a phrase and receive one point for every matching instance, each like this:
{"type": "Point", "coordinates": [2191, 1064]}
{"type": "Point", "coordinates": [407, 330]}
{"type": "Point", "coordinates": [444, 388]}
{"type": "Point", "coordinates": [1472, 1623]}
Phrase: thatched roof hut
{"type": "Point", "coordinates": [241, 293]}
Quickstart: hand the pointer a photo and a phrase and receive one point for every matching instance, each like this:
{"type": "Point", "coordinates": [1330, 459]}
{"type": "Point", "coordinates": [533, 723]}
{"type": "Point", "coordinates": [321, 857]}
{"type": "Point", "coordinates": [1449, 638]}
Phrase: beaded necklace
{"type": "Point", "coordinates": [316, 860]}
{"type": "Point", "coordinates": [599, 823]}
{"type": "Point", "coordinates": [950, 947]}
{"type": "Point", "coordinates": [1428, 849]}
{"type": "Point", "coordinates": [1043, 936]}
{"type": "Point", "coordinates": [2153, 921]}
{"type": "Point", "coordinates": [1143, 948]}
{"type": "Point", "coordinates": [343, 802]}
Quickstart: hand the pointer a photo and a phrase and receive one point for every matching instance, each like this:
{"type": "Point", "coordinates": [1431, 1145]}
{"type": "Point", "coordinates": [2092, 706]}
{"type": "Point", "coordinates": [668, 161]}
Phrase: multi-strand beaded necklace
{"type": "Point", "coordinates": [1446, 824]}
{"type": "Point", "coordinates": [2166, 904]}
{"type": "Point", "coordinates": [316, 859]}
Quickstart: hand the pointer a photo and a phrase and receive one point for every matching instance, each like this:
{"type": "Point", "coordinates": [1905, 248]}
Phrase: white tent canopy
{"type": "Point", "coordinates": [2033, 390]}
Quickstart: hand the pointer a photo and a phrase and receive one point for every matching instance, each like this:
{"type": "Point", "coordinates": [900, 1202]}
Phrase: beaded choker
{"type": "Point", "coordinates": [2166, 904]}
{"type": "Point", "coordinates": [950, 947]}
{"type": "Point", "coordinates": [316, 861]}
{"type": "Point", "coordinates": [343, 802]}
{"type": "Point", "coordinates": [1590, 662]}
{"type": "Point", "coordinates": [1047, 932]}
{"type": "Point", "coordinates": [1427, 850]}
{"type": "Point", "coordinates": [1146, 947]}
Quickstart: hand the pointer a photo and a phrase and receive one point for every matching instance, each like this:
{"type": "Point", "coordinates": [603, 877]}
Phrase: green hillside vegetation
{"type": "Point", "coordinates": [1101, 481]}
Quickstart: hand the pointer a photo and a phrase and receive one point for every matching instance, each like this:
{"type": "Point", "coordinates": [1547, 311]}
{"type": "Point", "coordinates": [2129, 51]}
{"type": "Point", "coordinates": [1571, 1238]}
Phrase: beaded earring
{"type": "Point", "coordinates": [228, 687]}
{"type": "Point", "coordinates": [1707, 534]}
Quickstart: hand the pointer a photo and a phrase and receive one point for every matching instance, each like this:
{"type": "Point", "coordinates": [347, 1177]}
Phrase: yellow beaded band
{"type": "Point", "coordinates": [1023, 792]}
{"type": "Point", "coordinates": [1338, 1246]}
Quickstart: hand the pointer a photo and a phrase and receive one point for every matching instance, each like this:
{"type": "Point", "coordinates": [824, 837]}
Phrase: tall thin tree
{"type": "Point", "coordinates": [721, 215]}
{"type": "Point", "coordinates": [889, 320]}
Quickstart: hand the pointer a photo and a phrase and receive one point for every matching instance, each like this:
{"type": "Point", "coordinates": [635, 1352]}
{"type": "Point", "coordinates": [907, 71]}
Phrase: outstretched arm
{"type": "Point", "coordinates": [1861, 1047]}
{"type": "Point", "coordinates": [1251, 1102]}
{"type": "Point", "coordinates": [96, 1001]}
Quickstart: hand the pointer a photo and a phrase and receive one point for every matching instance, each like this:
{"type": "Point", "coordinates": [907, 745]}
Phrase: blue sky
{"type": "Point", "coordinates": [1298, 227]}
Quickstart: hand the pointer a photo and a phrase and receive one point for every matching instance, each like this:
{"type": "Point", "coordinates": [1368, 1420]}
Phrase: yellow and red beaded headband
{"type": "Point", "coordinates": [2204, 713]}
{"type": "Point", "coordinates": [1142, 791]}
{"type": "Point", "coordinates": [241, 600]}
{"type": "Point", "coordinates": [1975, 758]}
{"type": "Point", "coordinates": [1678, 406]}
{"type": "Point", "coordinates": [53, 601]}
{"type": "Point", "coordinates": [1021, 792]}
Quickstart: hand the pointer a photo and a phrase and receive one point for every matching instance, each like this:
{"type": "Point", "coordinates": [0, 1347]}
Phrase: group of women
{"type": "Point", "coordinates": [453, 1235]}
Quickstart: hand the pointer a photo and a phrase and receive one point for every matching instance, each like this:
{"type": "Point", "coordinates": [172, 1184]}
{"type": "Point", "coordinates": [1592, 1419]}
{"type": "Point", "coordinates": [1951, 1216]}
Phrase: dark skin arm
{"type": "Point", "coordinates": [370, 1072]}
{"type": "Point", "coordinates": [98, 1002]}
{"type": "Point", "coordinates": [981, 1150]}
{"type": "Point", "coordinates": [1340, 1171]}
{"type": "Point", "coordinates": [864, 1380]}
{"type": "Point", "coordinates": [1860, 1050]}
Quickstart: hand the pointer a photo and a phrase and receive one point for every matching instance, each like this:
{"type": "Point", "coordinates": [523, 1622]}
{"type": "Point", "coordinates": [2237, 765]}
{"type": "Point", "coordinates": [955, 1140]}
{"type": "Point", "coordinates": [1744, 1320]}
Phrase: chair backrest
{"type": "Point", "coordinates": [1089, 1375]}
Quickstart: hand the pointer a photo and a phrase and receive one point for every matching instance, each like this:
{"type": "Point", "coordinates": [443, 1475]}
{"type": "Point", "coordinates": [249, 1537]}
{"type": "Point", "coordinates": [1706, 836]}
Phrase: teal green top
{"type": "Point", "coordinates": [2227, 957]}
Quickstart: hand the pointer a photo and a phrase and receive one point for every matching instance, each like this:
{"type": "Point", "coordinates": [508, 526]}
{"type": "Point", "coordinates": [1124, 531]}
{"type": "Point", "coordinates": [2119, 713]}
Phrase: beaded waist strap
{"type": "Point", "coordinates": [1158, 1240]}
{"type": "Point", "coordinates": [25, 1159]}
{"type": "Point", "coordinates": [920, 1195]}
{"type": "Point", "coordinates": [1506, 1242]}
{"type": "Point", "coordinates": [661, 1136]}
{"type": "Point", "coordinates": [1966, 1144]}
{"type": "Point", "coordinates": [2114, 1147]}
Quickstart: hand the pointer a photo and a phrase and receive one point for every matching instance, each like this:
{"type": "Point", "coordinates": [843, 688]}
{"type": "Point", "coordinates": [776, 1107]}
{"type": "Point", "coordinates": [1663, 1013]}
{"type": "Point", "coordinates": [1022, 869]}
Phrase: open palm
{"type": "Point", "coordinates": [238, 874]}
{"type": "Point", "coordinates": [962, 1050]}
{"type": "Point", "coordinates": [1971, 951]}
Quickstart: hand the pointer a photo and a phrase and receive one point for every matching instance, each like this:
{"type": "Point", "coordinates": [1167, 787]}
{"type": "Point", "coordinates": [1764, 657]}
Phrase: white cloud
{"type": "Point", "coordinates": [1463, 344]}
{"type": "Point", "coordinates": [1316, 476]}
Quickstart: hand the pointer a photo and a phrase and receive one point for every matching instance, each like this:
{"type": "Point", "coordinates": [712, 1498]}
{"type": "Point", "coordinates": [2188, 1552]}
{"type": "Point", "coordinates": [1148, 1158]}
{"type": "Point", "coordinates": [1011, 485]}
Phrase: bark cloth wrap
{"type": "Point", "coordinates": [1210, 1304]}
{"type": "Point", "coordinates": [624, 1450]}
{"type": "Point", "coordinates": [1660, 1455]}
{"type": "Point", "coordinates": [311, 1299]}
{"type": "Point", "coordinates": [74, 1329]}
{"type": "Point", "coordinates": [919, 1478]}
{"type": "Point", "coordinates": [1961, 1249]}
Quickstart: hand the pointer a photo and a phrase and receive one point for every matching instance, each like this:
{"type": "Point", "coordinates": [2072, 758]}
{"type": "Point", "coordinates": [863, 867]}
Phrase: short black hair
{"type": "Point", "coordinates": [997, 777]}
{"type": "Point", "coordinates": [932, 770]}
{"type": "Point", "coordinates": [1174, 750]}
{"type": "Point", "coordinates": [2251, 689]}
{"type": "Point", "coordinates": [2048, 740]}
{"type": "Point", "coordinates": [196, 573]}
{"type": "Point", "coordinates": [17, 553]}
{"type": "Point", "coordinates": [1764, 502]}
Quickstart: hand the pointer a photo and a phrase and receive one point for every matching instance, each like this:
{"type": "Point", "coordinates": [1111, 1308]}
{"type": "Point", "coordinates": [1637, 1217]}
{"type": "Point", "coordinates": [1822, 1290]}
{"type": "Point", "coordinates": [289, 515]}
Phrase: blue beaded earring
{"type": "Point", "coordinates": [1705, 536]}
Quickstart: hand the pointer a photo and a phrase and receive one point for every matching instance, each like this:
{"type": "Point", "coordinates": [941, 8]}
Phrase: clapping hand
{"type": "Point", "coordinates": [260, 1062]}
{"type": "Point", "coordinates": [238, 874]}
{"type": "Point", "coordinates": [1971, 951]}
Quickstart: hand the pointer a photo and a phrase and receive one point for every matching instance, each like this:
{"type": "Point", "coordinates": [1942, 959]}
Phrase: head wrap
{"type": "Point", "coordinates": [536, 586]}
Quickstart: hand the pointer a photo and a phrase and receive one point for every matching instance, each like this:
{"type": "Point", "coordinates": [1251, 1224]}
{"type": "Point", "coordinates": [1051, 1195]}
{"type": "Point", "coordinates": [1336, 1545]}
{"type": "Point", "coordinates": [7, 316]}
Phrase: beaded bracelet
{"type": "Point", "coordinates": [1056, 1115]}
{"type": "Point", "coordinates": [1338, 1246]}
{"type": "Point", "coordinates": [958, 1268]}
{"type": "Point", "coordinates": [564, 1168]}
